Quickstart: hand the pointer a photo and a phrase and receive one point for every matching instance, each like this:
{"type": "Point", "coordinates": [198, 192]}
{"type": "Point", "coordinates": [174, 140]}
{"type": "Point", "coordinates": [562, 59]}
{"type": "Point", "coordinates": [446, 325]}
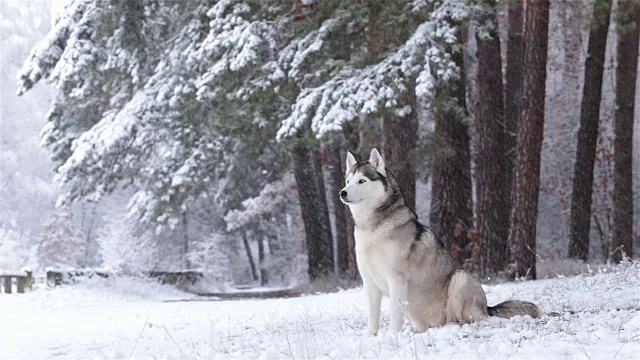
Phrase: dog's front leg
{"type": "Point", "coordinates": [374, 298]}
{"type": "Point", "coordinates": [397, 293]}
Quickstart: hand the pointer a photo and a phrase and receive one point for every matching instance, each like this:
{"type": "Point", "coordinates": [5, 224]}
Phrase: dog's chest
{"type": "Point", "coordinates": [377, 256]}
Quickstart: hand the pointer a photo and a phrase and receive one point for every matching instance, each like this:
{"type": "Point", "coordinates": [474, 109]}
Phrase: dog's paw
{"type": "Point", "coordinates": [372, 331]}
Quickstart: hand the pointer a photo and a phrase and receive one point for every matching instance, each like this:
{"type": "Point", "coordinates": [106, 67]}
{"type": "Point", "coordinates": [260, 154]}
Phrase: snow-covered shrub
{"type": "Point", "coordinates": [270, 200]}
{"type": "Point", "coordinates": [60, 244]}
{"type": "Point", "coordinates": [213, 257]}
{"type": "Point", "coordinates": [15, 252]}
{"type": "Point", "coordinates": [123, 250]}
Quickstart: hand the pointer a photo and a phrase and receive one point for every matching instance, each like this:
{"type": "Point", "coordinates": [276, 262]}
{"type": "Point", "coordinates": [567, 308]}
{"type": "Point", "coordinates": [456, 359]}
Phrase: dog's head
{"type": "Point", "coordinates": [366, 182]}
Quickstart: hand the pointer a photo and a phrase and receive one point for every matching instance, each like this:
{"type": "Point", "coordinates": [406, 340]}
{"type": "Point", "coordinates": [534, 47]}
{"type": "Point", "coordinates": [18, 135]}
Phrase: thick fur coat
{"type": "Point", "coordinates": [400, 258]}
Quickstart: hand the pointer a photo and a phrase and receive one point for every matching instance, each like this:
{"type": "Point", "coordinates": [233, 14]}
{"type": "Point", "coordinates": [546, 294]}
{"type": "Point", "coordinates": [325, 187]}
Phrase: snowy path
{"type": "Point", "coordinates": [96, 322]}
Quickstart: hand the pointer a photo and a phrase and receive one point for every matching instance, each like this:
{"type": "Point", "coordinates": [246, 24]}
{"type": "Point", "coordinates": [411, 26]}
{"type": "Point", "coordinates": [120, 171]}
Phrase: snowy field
{"type": "Point", "coordinates": [599, 319]}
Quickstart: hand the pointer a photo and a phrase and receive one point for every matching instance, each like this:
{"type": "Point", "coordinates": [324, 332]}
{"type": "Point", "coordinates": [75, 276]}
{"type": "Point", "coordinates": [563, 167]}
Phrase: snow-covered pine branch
{"type": "Point", "coordinates": [154, 111]}
{"type": "Point", "coordinates": [159, 96]}
{"type": "Point", "coordinates": [47, 55]}
{"type": "Point", "coordinates": [424, 60]}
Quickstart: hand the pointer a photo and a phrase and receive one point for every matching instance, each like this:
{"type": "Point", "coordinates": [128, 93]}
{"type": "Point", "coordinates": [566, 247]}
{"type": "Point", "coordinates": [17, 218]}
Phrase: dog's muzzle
{"type": "Point", "coordinates": [343, 194]}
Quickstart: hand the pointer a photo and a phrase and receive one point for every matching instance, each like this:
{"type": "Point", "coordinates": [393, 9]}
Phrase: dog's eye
{"type": "Point", "coordinates": [362, 181]}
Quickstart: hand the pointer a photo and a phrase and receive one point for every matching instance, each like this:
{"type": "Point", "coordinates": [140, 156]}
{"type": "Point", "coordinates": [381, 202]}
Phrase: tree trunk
{"type": "Point", "coordinates": [337, 182]}
{"type": "Point", "coordinates": [185, 241]}
{"type": "Point", "coordinates": [588, 132]}
{"type": "Point", "coordinates": [451, 203]}
{"type": "Point", "coordinates": [626, 71]}
{"type": "Point", "coordinates": [492, 213]}
{"type": "Point", "coordinates": [513, 88]}
{"type": "Point", "coordinates": [252, 264]}
{"type": "Point", "coordinates": [572, 15]}
{"type": "Point", "coordinates": [264, 276]}
{"type": "Point", "coordinates": [559, 148]}
{"type": "Point", "coordinates": [400, 138]}
{"type": "Point", "coordinates": [522, 236]}
{"type": "Point", "coordinates": [352, 137]}
{"type": "Point", "coordinates": [313, 206]}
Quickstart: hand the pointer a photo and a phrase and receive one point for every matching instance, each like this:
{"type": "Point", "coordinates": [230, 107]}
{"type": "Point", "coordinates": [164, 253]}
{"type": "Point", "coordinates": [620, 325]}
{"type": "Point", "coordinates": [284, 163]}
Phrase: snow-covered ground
{"type": "Point", "coordinates": [599, 319]}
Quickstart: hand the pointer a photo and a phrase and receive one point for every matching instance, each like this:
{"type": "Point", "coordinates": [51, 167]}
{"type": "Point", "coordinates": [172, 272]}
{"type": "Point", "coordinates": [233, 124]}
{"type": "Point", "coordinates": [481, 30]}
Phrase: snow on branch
{"type": "Point", "coordinates": [424, 60]}
{"type": "Point", "coordinates": [47, 54]}
{"type": "Point", "coordinates": [235, 43]}
{"type": "Point", "coordinates": [273, 195]}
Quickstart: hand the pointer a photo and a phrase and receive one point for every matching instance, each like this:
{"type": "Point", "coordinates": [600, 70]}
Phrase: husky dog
{"type": "Point", "coordinates": [399, 257]}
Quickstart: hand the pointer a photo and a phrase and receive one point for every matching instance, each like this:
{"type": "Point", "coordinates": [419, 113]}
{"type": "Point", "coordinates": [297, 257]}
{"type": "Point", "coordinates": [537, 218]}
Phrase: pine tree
{"type": "Point", "coordinates": [522, 235]}
{"type": "Point", "coordinates": [400, 131]}
{"type": "Point", "coordinates": [428, 56]}
{"type": "Point", "coordinates": [451, 215]}
{"type": "Point", "coordinates": [194, 101]}
{"type": "Point", "coordinates": [513, 87]}
{"type": "Point", "coordinates": [159, 104]}
{"type": "Point", "coordinates": [588, 132]}
{"type": "Point", "coordinates": [313, 207]}
{"type": "Point", "coordinates": [628, 31]}
{"type": "Point", "coordinates": [492, 216]}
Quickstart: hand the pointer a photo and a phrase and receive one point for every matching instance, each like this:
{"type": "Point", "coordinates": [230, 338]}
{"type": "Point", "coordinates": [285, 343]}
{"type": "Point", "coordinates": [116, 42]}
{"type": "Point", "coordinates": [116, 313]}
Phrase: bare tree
{"type": "Point", "coordinates": [522, 236]}
{"type": "Point", "coordinates": [588, 132]}
{"type": "Point", "coordinates": [492, 212]}
{"type": "Point", "coordinates": [626, 71]}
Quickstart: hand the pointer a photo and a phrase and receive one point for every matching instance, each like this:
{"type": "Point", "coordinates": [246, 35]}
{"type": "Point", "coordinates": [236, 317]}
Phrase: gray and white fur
{"type": "Point", "coordinates": [400, 258]}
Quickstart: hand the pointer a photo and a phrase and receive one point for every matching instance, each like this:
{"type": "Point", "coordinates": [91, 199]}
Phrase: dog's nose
{"type": "Point", "coordinates": [343, 194]}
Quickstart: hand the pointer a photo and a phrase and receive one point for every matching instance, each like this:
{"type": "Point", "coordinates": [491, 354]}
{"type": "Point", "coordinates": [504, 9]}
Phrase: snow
{"type": "Point", "coordinates": [12, 273]}
{"type": "Point", "coordinates": [425, 57]}
{"type": "Point", "coordinates": [597, 318]}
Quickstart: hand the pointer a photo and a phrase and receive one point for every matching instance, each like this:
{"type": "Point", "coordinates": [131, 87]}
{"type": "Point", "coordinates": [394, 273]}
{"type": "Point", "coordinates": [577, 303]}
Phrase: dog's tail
{"type": "Point", "coordinates": [511, 308]}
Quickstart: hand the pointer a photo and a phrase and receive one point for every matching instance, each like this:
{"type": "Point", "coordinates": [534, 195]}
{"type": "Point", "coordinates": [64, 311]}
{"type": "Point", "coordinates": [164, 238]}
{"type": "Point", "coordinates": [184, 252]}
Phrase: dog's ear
{"type": "Point", "coordinates": [375, 159]}
{"type": "Point", "coordinates": [351, 161]}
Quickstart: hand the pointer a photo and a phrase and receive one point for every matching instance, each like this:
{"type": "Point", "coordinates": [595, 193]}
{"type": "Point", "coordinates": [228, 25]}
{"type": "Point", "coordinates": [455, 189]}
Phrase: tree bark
{"type": "Point", "coordinates": [247, 249]}
{"type": "Point", "coordinates": [352, 139]}
{"type": "Point", "coordinates": [573, 20]}
{"type": "Point", "coordinates": [313, 206]}
{"type": "Point", "coordinates": [522, 236]}
{"type": "Point", "coordinates": [626, 71]}
{"type": "Point", "coordinates": [451, 214]}
{"type": "Point", "coordinates": [492, 212]}
{"type": "Point", "coordinates": [513, 88]}
{"type": "Point", "coordinates": [337, 182]}
{"type": "Point", "coordinates": [264, 276]}
{"type": "Point", "coordinates": [185, 239]}
{"type": "Point", "coordinates": [580, 223]}
{"type": "Point", "coordinates": [400, 138]}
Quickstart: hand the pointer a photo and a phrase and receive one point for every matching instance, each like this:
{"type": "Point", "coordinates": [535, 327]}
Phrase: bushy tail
{"type": "Point", "coordinates": [511, 308]}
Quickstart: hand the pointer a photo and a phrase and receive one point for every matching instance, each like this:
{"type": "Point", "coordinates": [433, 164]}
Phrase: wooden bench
{"type": "Point", "coordinates": [23, 279]}
{"type": "Point", "coordinates": [178, 278]}
{"type": "Point", "coordinates": [59, 277]}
